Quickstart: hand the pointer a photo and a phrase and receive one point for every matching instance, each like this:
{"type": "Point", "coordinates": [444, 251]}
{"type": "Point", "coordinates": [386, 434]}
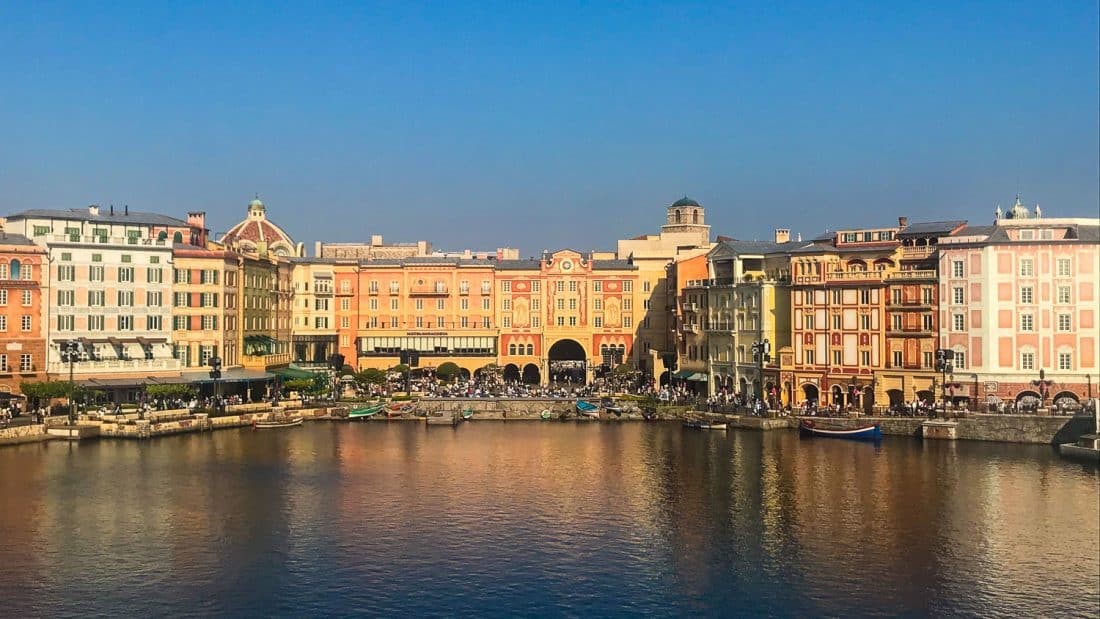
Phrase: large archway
{"type": "Point", "coordinates": [511, 373]}
{"type": "Point", "coordinates": [531, 374]}
{"type": "Point", "coordinates": [810, 394]}
{"type": "Point", "coordinates": [568, 362]}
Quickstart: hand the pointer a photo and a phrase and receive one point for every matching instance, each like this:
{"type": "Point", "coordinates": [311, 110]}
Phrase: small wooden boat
{"type": "Point", "coordinates": [277, 423]}
{"type": "Point", "coordinates": [870, 432]}
{"type": "Point", "coordinates": [704, 425]}
{"type": "Point", "coordinates": [609, 405]}
{"type": "Point", "coordinates": [467, 414]}
{"type": "Point", "coordinates": [365, 412]}
{"type": "Point", "coordinates": [587, 409]}
{"type": "Point", "coordinates": [442, 420]}
{"type": "Point", "coordinates": [545, 414]}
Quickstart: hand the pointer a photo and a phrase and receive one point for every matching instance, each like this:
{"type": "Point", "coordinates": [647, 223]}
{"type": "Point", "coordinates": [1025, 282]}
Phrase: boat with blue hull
{"type": "Point", "coordinates": [871, 432]}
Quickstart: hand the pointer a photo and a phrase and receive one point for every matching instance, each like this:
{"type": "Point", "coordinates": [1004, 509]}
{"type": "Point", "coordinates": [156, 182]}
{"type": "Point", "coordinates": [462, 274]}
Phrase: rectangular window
{"type": "Point", "coordinates": [345, 322]}
{"type": "Point", "coordinates": [27, 298]}
{"type": "Point", "coordinates": [598, 321]}
{"type": "Point", "coordinates": [25, 363]}
{"type": "Point", "coordinates": [464, 322]}
{"type": "Point", "coordinates": [125, 274]}
{"type": "Point", "coordinates": [507, 286]}
{"type": "Point", "coordinates": [25, 323]}
{"type": "Point", "coordinates": [41, 230]}
{"type": "Point", "coordinates": [507, 321]}
{"type": "Point", "coordinates": [865, 358]}
{"type": "Point", "coordinates": [393, 322]}
{"type": "Point", "coordinates": [598, 303]}
{"type": "Point", "coordinates": [1063, 267]}
{"type": "Point", "coordinates": [154, 276]}
{"type": "Point", "coordinates": [95, 322]}
{"type": "Point", "coordinates": [895, 322]}
{"type": "Point", "coordinates": [597, 286]}
{"type": "Point", "coordinates": [1065, 361]}
{"type": "Point", "coordinates": [125, 323]}
{"type": "Point", "coordinates": [1063, 294]}
{"type": "Point", "coordinates": [1027, 361]}
{"type": "Point", "coordinates": [1027, 267]}
{"type": "Point", "coordinates": [864, 296]}
{"type": "Point", "coordinates": [153, 323]}
{"type": "Point", "coordinates": [628, 285]}
{"type": "Point", "coordinates": [926, 322]}
{"type": "Point", "coordinates": [345, 304]}
{"type": "Point", "coordinates": [506, 304]}
{"type": "Point", "coordinates": [1027, 322]}
{"type": "Point", "coordinates": [926, 359]}
{"type": "Point", "coordinates": [419, 304]}
{"type": "Point", "coordinates": [96, 298]}
{"type": "Point", "coordinates": [3, 297]}
{"type": "Point", "coordinates": [464, 304]}
{"type": "Point", "coordinates": [374, 304]}
{"type": "Point", "coordinates": [393, 305]}
{"type": "Point", "coordinates": [958, 322]}
{"type": "Point", "coordinates": [154, 299]}
{"type": "Point", "coordinates": [66, 298]}
{"type": "Point", "coordinates": [3, 322]}
{"type": "Point", "coordinates": [809, 357]}
{"type": "Point", "coordinates": [1064, 323]}
{"type": "Point", "coordinates": [628, 304]}
{"type": "Point", "coordinates": [439, 304]}
{"type": "Point", "coordinates": [865, 322]}
{"type": "Point", "coordinates": [926, 296]}
{"type": "Point", "coordinates": [572, 321]}
{"type": "Point", "coordinates": [1027, 295]}
{"type": "Point", "coordinates": [836, 357]}
{"type": "Point", "coordinates": [895, 296]}
{"type": "Point", "coordinates": [65, 323]}
{"type": "Point", "coordinates": [645, 286]}
{"type": "Point", "coordinates": [572, 304]}
{"type": "Point", "coordinates": [960, 360]}
{"type": "Point", "coordinates": [957, 268]}
{"type": "Point", "coordinates": [560, 321]}
{"type": "Point", "coordinates": [957, 295]}
{"type": "Point", "coordinates": [897, 359]}
{"type": "Point", "coordinates": [65, 272]}
{"type": "Point", "coordinates": [125, 298]}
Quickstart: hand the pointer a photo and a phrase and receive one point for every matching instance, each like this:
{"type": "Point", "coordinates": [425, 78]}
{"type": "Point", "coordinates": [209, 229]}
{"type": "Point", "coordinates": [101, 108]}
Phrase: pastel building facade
{"type": "Point", "coordinates": [22, 328]}
{"type": "Point", "coordinates": [205, 306]}
{"type": "Point", "coordinates": [1020, 297]}
{"type": "Point", "coordinates": [313, 317]}
{"type": "Point", "coordinates": [685, 230]}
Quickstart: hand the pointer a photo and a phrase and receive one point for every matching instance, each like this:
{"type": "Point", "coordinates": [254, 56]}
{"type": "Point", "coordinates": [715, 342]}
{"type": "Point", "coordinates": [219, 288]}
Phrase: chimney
{"type": "Point", "coordinates": [799, 237]}
{"type": "Point", "coordinates": [93, 209]}
{"type": "Point", "coordinates": [903, 221]}
{"type": "Point", "coordinates": [127, 209]}
{"type": "Point", "coordinates": [782, 235]}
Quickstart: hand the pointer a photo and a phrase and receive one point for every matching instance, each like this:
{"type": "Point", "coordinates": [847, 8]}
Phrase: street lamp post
{"type": "Point", "coordinates": [70, 353]}
{"type": "Point", "coordinates": [1044, 386]}
{"type": "Point", "coordinates": [215, 364]}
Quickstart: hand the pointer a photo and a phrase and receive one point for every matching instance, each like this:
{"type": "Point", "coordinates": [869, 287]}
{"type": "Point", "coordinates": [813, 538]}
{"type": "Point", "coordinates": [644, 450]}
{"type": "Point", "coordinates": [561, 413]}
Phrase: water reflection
{"type": "Point", "coordinates": [544, 518]}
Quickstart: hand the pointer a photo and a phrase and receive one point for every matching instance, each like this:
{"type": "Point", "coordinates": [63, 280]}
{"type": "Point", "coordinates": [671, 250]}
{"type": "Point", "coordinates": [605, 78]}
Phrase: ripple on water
{"type": "Point", "coordinates": [496, 519]}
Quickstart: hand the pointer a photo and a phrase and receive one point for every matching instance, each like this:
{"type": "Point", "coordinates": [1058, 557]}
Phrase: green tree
{"type": "Point", "coordinates": [623, 369]}
{"type": "Point", "coordinates": [448, 371]}
{"type": "Point", "coordinates": [370, 376]}
{"type": "Point", "coordinates": [45, 390]}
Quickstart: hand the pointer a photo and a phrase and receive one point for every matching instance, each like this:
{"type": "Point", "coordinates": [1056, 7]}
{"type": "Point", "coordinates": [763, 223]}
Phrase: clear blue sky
{"type": "Point", "coordinates": [563, 124]}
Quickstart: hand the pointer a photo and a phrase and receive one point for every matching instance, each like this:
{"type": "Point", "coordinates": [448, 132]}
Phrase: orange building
{"type": "Point", "coordinates": [22, 314]}
{"type": "Point", "coordinates": [567, 311]}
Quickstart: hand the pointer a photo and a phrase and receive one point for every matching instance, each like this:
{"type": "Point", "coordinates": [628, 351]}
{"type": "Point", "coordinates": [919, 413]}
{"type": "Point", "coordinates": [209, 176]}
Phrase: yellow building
{"type": "Point", "coordinates": [313, 318]}
{"type": "Point", "coordinates": [685, 230]}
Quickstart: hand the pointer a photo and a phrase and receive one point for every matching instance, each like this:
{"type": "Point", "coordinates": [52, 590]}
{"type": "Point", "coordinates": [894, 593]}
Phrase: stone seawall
{"type": "Point", "coordinates": [23, 434]}
{"type": "Point", "coordinates": [997, 428]}
{"type": "Point", "coordinates": [518, 409]}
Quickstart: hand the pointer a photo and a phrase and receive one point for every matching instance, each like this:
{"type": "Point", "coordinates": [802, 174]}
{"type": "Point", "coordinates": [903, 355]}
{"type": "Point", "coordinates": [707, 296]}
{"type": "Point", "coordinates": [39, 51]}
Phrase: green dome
{"type": "Point", "coordinates": [256, 202]}
{"type": "Point", "coordinates": [685, 201]}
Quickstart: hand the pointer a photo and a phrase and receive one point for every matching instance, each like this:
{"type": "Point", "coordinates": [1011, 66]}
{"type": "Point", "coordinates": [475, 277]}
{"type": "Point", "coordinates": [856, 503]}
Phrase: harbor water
{"type": "Point", "coordinates": [501, 519]}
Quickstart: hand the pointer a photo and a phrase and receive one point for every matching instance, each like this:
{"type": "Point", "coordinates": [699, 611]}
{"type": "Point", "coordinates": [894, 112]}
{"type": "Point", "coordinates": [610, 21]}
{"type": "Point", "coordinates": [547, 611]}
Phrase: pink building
{"type": "Point", "coordinates": [1018, 298]}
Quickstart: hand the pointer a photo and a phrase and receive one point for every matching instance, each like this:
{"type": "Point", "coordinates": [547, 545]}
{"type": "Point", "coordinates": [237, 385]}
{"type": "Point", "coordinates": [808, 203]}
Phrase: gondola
{"type": "Point", "coordinates": [704, 425]}
{"type": "Point", "coordinates": [365, 412]}
{"type": "Point", "coordinates": [277, 423]}
{"type": "Point", "coordinates": [871, 432]}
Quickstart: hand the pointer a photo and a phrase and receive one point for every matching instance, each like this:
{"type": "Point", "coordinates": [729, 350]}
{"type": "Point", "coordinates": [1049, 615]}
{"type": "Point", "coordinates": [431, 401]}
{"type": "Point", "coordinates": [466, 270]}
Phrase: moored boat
{"type": "Point", "coordinates": [587, 409]}
{"type": "Point", "coordinates": [704, 425]}
{"type": "Point", "coordinates": [545, 414]}
{"type": "Point", "coordinates": [277, 423]}
{"type": "Point", "coordinates": [467, 414]}
{"type": "Point", "coordinates": [869, 432]}
{"type": "Point", "coordinates": [365, 412]}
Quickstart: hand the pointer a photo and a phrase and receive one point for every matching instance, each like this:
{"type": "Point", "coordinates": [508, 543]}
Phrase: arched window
{"type": "Point", "coordinates": [162, 235]}
{"type": "Point", "coordinates": [678, 217]}
{"type": "Point", "coordinates": [15, 269]}
{"type": "Point", "coordinates": [695, 217]}
{"type": "Point", "coordinates": [177, 237]}
{"type": "Point", "coordinates": [530, 349]}
{"type": "Point", "coordinates": [512, 349]}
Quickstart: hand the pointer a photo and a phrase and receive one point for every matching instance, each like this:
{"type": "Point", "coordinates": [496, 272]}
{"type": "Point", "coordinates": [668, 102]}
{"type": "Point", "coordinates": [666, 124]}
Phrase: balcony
{"type": "Point", "coordinates": [107, 240]}
{"type": "Point", "coordinates": [116, 365]}
{"type": "Point", "coordinates": [429, 291]}
{"type": "Point", "coordinates": [917, 252]}
{"type": "Point", "coordinates": [691, 307]}
{"type": "Point", "coordinates": [929, 274]}
{"type": "Point", "coordinates": [854, 277]}
{"type": "Point", "coordinates": [265, 361]}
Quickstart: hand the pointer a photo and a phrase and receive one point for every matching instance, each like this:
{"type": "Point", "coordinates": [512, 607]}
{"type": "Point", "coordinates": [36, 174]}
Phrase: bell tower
{"type": "Point", "coordinates": [686, 216]}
